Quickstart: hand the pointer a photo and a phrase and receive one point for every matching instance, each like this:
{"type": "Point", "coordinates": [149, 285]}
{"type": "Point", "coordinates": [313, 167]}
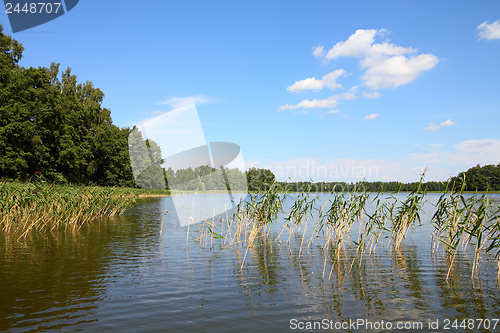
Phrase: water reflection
{"type": "Point", "coordinates": [393, 285]}
{"type": "Point", "coordinates": [122, 275]}
{"type": "Point", "coordinates": [57, 276]}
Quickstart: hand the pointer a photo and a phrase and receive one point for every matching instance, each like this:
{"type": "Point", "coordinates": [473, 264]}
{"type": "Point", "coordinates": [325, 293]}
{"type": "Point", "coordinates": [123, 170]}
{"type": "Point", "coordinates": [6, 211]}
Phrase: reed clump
{"type": "Point", "coordinates": [462, 222]}
{"type": "Point", "coordinates": [406, 215]}
{"type": "Point", "coordinates": [38, 205]}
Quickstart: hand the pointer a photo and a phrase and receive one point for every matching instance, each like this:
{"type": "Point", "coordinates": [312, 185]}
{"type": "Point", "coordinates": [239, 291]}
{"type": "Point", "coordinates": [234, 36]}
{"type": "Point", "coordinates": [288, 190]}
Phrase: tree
{"type": "Point", "coordinates": [53, 124]}
{"type": "Point", "coordinates": [146, 160]}
{"type": "Point", "coordinates": [480, 178]}
{"type": "Point", "coordinates": [259, 179]}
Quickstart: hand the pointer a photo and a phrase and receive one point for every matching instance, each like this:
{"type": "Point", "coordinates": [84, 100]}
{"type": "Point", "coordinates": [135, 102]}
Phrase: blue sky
{"type": "Point", "coordinates": [326, 90]}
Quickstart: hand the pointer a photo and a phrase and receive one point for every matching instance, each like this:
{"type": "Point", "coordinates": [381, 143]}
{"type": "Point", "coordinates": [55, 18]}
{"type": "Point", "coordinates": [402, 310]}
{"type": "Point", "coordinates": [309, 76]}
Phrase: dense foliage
{"type": "Point", "coordinates": [51, 124]}
{"type": "Point", "coordinates": [260, 179]}
{"type": "Point", "coordinates": [480, 178]}
{"type": "Point", "coordinates": [206, 178]}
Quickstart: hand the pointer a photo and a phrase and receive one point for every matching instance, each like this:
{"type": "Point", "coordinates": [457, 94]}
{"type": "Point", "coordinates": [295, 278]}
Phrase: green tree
{"type": "Point", "coordinates": [51, 123]}
{"type": "Point", "coordinates": [259, 179]}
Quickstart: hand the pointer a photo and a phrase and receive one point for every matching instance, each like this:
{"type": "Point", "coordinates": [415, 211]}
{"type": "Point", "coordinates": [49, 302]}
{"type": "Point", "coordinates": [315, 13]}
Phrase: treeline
{"type": "Point", "coordinates": [480, 178]}
{"type": "Point", "coordinates": [361, 186]}
{"type": "Point", "coordinates": [201, 178]}
{"type": "Point", "coordinates": [54, 126]}
{"type": "Point", "coordinates": [205, 178]}
{"type": "Point", "coordinates": [485, 178]}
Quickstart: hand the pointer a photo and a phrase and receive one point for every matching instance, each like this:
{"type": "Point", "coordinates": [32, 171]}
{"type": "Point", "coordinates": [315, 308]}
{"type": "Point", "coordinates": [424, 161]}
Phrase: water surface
{"type": "Point", "coordinates": [121, 275]}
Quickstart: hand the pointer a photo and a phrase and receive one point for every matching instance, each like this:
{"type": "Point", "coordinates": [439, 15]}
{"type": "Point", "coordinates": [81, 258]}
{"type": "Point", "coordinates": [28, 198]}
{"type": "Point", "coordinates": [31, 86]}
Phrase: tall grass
{"type": "Point", "coordinates": [466, 222]}
{"type": "Point", "coordinates": [493, 230]}
{"type": "Point", "coordinates": [38, 205]}
{"type": "Point", "coordinates": [461, 223]}
{"type": "Point", "coordinates": [406, 215]}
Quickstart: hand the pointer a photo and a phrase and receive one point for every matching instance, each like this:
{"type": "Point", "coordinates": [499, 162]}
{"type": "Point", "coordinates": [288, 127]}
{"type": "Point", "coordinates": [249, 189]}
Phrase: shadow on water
{"type": "Point", "coordinates": [54, 280]}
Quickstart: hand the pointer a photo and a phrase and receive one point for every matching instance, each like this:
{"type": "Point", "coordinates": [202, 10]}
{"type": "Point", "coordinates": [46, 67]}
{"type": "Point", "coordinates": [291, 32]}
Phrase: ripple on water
{"type": "Point", "coordinates": [121, 275]}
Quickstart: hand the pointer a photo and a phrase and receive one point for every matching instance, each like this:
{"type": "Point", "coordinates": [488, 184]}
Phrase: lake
{"type": "Point", "coordinates": [122, 275]}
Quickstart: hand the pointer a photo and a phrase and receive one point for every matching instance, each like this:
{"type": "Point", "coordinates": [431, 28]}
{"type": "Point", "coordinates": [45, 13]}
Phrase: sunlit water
{"type": "Point", "coordinates": [121, 275]}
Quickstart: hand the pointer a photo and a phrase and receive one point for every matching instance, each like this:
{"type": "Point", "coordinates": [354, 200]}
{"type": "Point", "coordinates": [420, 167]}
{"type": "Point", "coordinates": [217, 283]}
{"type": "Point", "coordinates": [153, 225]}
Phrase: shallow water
{"type": "Point", "coordinates": [121, 275]}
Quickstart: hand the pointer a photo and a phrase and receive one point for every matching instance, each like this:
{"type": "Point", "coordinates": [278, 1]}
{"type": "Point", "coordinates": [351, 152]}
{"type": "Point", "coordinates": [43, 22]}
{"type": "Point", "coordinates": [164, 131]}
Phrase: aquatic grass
{"type": "Point", "coordinates": [371, 229]}
{"type": "Point", "coordinates": [345, 210]}
{"type": "Point", "coordinates": [376, 224]}
{"type": "Point", "coordinates": [335, 221]}
{"type": "Point", "coordinates": [300, 211]}
{"type": "Point", "coordinates": [406, 215]}
{"type": "Point", "coordinates": [493, 230]}
{"type": "Point", "coordinates": [265, 207]}
{"type": "Point", "coordinates": [461, 224]}
{"type": "Point", "coordinates": [36, 205]}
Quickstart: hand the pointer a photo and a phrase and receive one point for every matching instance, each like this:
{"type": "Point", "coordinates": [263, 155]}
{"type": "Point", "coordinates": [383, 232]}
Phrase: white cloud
{"type": "Point", "coordinates": [309, 83]}
{"type": "Point", "coordinates": [360, 45]}
{"type": "Point", "coordinates": [329, 102]}
{"type": "Point", "coordinates": [371, 116]}
{"type": "Point", "coordinates": [398, 70]}
{"type": "Point", "coordinates": [428, 158]}
{"type": "Point", "coordinates": [356, 46]}
{"type": "Point", "coordinates": [327, 81]}
{"type": "Point", "coordinates": [330, 79]}
{"type": "Point", "coordinates": [178, 102]}
{"type": "Point", "coordinates": [433, 127]}
{"type": "Point", "coordinates": [386, 49]}
{"type": "Point", "coordinates": [385, 64]}
{"type": "Point", "coordinates": [318, 51]}
{"type": "Point", "coordinates": [349, 95]}
{"type": "Point", "coordinates": [464, 155]}
{"type": "Point", "coordinates": [448, 122]}
{"type": "Point", "coordinates": [373, 95]}
{"type": "Point", "coordinates": [489, 31]}
{"type": "Point", "coordinates": [440, 163]}
{"type": "Point", "coordinates": [473, 152]}
{"type": "Point", "coordinates": [329, 112]}
{"type": "Point", "coordinates": [333, 111]}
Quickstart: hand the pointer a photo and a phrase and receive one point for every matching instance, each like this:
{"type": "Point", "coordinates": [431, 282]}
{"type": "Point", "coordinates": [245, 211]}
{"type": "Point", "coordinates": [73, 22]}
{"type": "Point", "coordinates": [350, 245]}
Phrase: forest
{"type": "Point", "coordinates": [53, 126]}
{"type": "Point", "coordinates": [485, 178]}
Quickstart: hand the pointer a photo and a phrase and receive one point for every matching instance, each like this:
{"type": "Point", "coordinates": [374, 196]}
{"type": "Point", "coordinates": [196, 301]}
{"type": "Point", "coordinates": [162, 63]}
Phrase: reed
{"type": "Point", "coordinates": [406, 214]}
{"type": "Point", "coordinates": [371, 228]}
{"type": "Point", "coordinates": [461, 223]}
{"type": "Point", "coordinates": [493, 230]}
{"type": "Point", "coordinates": [301, 210]}
{"type": "Point", "coordinates": [265, 207]}
{"type": "Point", "coordinates": [345, 210]}
{"type": "Point", "coordinates": [37, 205]}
